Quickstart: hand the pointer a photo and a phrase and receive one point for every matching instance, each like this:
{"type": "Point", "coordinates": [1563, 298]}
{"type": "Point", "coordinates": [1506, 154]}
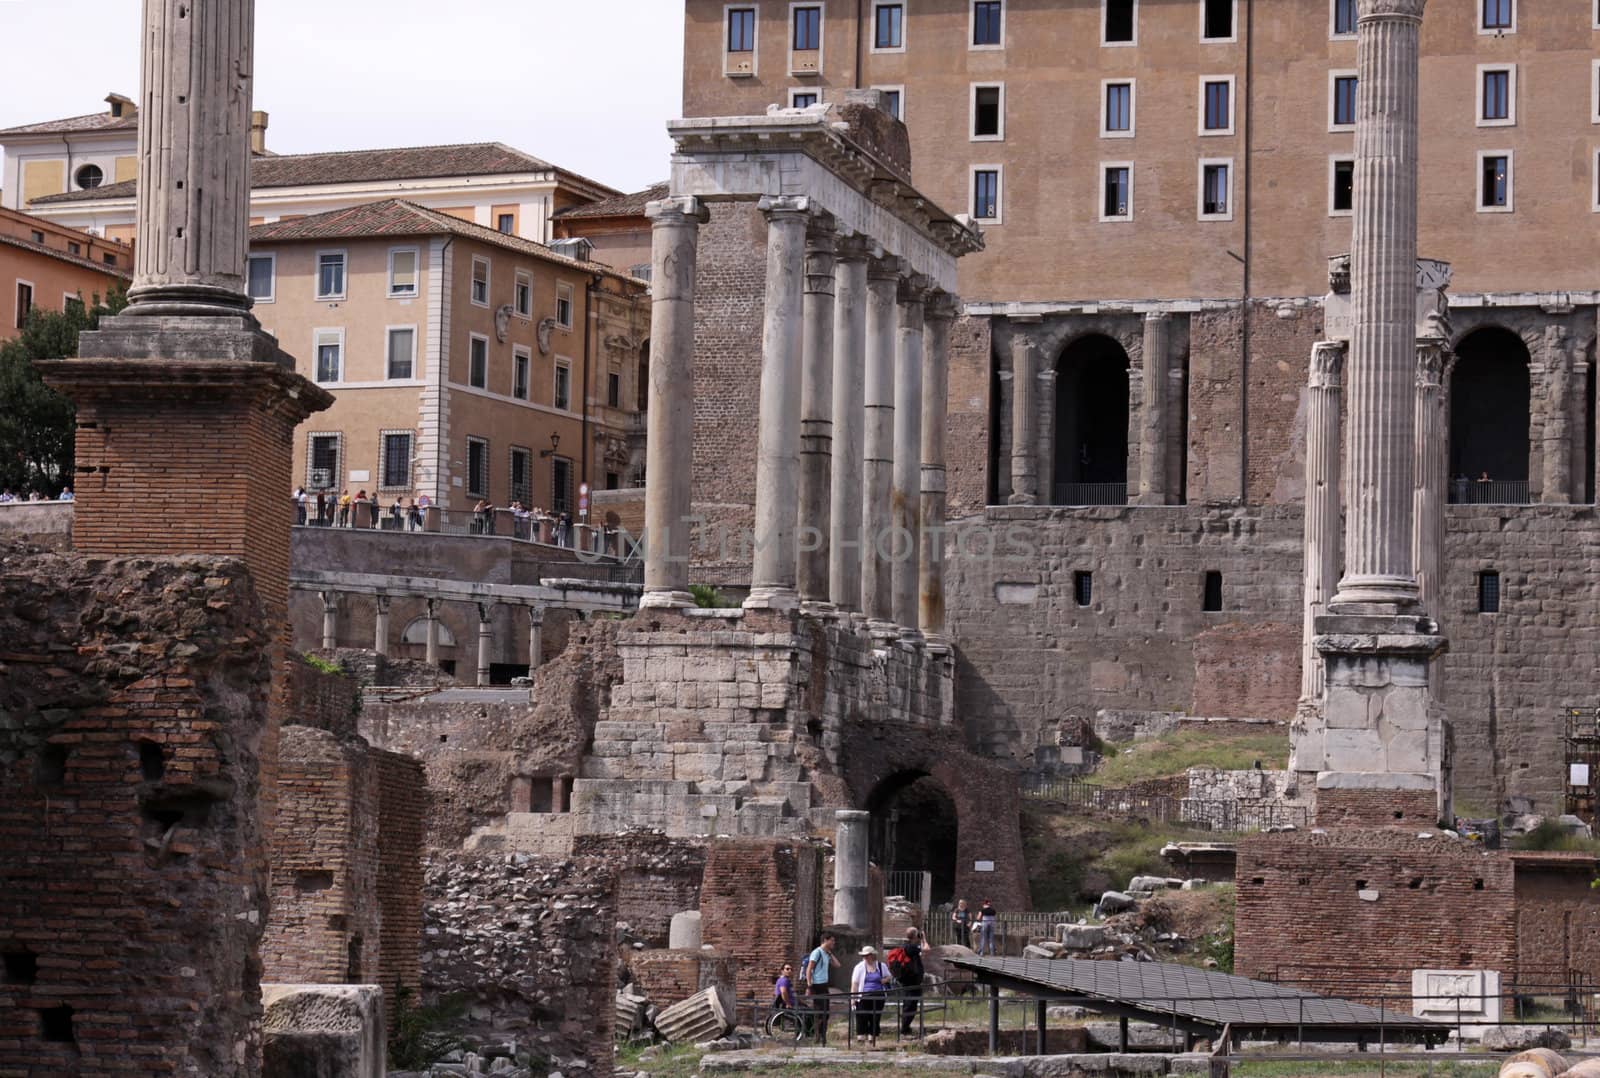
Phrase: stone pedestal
{"type": "Point", "coordinates": [851, 869]}
{"type": "Point", "coordinates": [684, 932]}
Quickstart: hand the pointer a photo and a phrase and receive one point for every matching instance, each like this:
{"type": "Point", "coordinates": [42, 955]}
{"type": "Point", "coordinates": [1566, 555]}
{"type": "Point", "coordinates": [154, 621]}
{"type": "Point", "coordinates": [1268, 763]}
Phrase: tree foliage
{"type": "Point", "coordinates": [36, 422]}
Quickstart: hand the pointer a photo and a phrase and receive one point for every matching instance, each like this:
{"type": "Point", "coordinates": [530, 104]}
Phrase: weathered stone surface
{"type": "Point", "coordinates": [1080, 937]}
{"type": "Point", "coordinates": [702, 1017]}
{"type": "Point", "coordinates": [1142, 1036]}
{"type": "Point", "coordinates": [1516, 1038]}
{"type": "Point", "coordinates": [1116, 902]}
{"type": "Point", "coordinates": [323, 1031]}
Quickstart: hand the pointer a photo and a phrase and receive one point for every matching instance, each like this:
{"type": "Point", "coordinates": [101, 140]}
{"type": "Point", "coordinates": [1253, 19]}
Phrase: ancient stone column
{"type": "Point", "coordinates": [535, 638]}
{"type": "Point", "coordinates": [938, 313]}
{"type": "Point", "coordinates": [431, 653]}
{"type": "Point", "coordinates": [485, 640]}
{"type": "Point", "coordinates": [906, 507]}
{"type": "Point", "coordinates": [1557, 417]}
{"type": "Point", "coordinates": [380, 626]}
{"type": "Point", "coordinates": [849, 373]}
{"type": "Point", "coordinates": [1024, 431]}
{"type": "Point", "coordinates": [1044, 395]}
{"type": "Point", "coordinates": [1383, 293]}
{"type": "Point", "coordinates": [1432, 445]}
{"type": "Point", "coordinates": [877, 454]}
{"type": "Point", "coordinates": [851, 869]}
{"type": "Point", "coordinates": [1323, 452]}
{"type": "Point", "coordinates": [330, 620]}
{"type": "Point", "coordinates": [669, 447]}
{"type": "Point", "coordinates": [816, 416]}
{"type": "Point", "coordinates": [1153, 410]}
{"type": "Point", "coordinates": [772, 581]}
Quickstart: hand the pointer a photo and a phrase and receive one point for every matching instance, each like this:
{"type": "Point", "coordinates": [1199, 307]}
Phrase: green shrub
{"type": "Point", "coordinates": [708, 597]}
{"type": "Point", "coordinates": [317, 662]}
{"type": "Point", "coordinates": [1550, 835]}
{"type": "Point", "coordinates": [419, 1037]}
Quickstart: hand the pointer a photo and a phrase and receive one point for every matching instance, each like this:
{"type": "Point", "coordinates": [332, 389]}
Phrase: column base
{"type": "Point", "coordinates": [883, 631]}
{"type": "Point", "coordinates": [666, 600]}
{"type": "Point", "coordinates": [911, 637]}
{"type": "Point", "coordinates": [819, 608]}
{"type": "Point", "coordinates": [937, 644]}
{"type": "Point", "coordinates": [1022, 499]}
{"type": "Point", "coordinates": [1375, 595]}
{"type": "Point", "coordinates": [772, 597]}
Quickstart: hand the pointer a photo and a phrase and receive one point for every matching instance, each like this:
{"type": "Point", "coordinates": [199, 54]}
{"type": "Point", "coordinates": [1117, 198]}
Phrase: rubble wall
{"type": "Point", "coordinates": [657, 877]}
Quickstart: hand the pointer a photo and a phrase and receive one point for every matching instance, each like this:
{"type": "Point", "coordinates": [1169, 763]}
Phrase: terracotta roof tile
{"type": "Point", "coordinates": [625, 206]}
{"type": "Point", "coordinates": [98, 121]}
{"type": "Point", "coordinates": [66, 256]}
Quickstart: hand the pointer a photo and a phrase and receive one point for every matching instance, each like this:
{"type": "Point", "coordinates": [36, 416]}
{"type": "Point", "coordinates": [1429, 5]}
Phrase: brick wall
{"type": "Point", "coordinates": [1558, 916]}
{"type": "Point", "coordinates": [1246, 668]}
{"type": "Point", "coordinates": [657, 877]}
{"type": "Point", "coordinates": [403, 800]}
{"type": "Point", "coordinates": [1408, 809]}
{"type": "Point", "coordinates": [669, 977]}
{"type": "Point", "coordinates": [761, 903]}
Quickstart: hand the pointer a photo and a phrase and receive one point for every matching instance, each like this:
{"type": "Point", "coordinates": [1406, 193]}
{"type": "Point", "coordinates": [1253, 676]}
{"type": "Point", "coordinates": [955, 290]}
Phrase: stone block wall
{"type": "Point", "coordinates": [761, 902]}
{"type": "Point", "coordinates": [657, 877]}
{"type": "Point", "coordinates": [134, 696]}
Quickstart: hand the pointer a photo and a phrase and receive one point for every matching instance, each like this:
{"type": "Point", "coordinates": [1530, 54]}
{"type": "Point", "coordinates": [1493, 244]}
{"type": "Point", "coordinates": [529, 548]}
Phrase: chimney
{"type": "Point", "coordinates": [121, 107]}
{"type": "Point", "coordinates": [258, 132]}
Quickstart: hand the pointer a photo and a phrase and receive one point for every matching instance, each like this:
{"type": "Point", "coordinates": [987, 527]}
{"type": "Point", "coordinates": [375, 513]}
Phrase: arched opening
{"type": "Point", "coordinates": [416, 633]}
{"type": "Point", "coordinates": [1489, 409]}
{"type": "Point", "coordinates": [1091, 450]}
{"type": "Point", "coordinates": [913, 832]}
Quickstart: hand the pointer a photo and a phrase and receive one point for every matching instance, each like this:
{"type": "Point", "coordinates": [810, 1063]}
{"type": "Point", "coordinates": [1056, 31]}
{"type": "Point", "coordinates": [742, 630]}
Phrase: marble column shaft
{"type": "Point", "coordinates": [330, 620]}
{"type": "Point", "coordinates": [851, 869]}
{"type": "Point", "coordinates": [1024, 419]}
{"type": "Point", "coordinates": [380, 624]}
{"type": "Point", "coordinates": [1153, 410]}
{"type": "Point", "coordinates": [849, 374]}
{"type": "Point", "coordinates": [1383, 273]}
{"type": "Point", "coordinates": [877, 453]}
{"type": "Point", "coordinates": [1323, 453]}
{"type": "Point", "coordinates": [772, 580]}
{"type": "Point", "coordinates": [1559, 384]}
{"type": "Point", "coordinates": [1044, 396]}
{"type": "Point", "coordinates": [669, 444]}
{"type": "Point", "coordinates": [938, 314]}
{"type": "Point", "coordinates": [485, 640]}
{"type": "Point", "coordinates": [535, 638]}
{"type": "Point", "coordinates": [816, 416]}
{"type": "Point", "coordinates": [431, 650]}
{"type": "Point", "coordinates": [1432, 445]}
{"type": "Point", "coordinates": [906, 543]}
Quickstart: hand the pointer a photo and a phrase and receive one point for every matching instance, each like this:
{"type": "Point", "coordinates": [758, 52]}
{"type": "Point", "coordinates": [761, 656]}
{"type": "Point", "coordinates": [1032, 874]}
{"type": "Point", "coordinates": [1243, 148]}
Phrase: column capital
{"type": "Point", "coordinates": [1157, 316]}
{"type": "Point", "coordinates": [677, 210]}
{"type": "Point", "coordinates": [1327, 364]}
{"type": "Point", "coordinates": [1390, 10]}
{"type": "Point", "coordinates": [914, 289]}
{"type": "Point", "coordinates": [783, 206]}
{"type": "Point", "coordinates": [822, 232]}
{"type": "Point", "coordinates": [485, 612]}
{"type": "Point", "coordinates": [1432, 356]}
{"type": "Point", "coordinates": [855, 247]}
{"type": "Point", "coordinates": [381, 603]}
{"type": "Point", "coordinates": [535, 615]}
{"type": "Point", "coordinates": [885, 268]}
{"type": "Point", "coordinates": [941, 307]}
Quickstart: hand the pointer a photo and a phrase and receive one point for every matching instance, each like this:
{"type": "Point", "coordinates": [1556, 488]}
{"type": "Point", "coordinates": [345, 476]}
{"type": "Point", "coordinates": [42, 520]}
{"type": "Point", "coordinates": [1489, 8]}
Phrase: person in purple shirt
{"type": "Point", "coordinates": [869, 983]}
{"type": "Point", "coordinates": [783, 990]}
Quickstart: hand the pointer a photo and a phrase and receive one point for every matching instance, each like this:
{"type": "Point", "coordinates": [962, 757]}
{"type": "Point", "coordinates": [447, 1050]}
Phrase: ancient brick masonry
{"type": "Point", "coordinates": [761, 902]}
{"type": "Point", "coordinates": [133, 697]}
{"type": "Point", "coordinates": [657, 877]}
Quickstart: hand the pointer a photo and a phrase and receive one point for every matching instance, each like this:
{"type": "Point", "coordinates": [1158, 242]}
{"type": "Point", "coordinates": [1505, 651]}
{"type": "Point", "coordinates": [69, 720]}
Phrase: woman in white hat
{"type": "Point", "coordinates": [869, 984]}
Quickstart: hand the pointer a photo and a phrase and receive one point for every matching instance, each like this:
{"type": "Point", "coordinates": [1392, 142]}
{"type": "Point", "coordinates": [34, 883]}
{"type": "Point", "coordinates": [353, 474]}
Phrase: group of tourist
{"type": "Point", "coordinates": [9, 496]}
{"type": "Point", "coordinates": [984, 922]}
{"type": "Point", "coordinates": [329, 510]}
{"type": "Point", "coordinates": [871, 981]}
{"type": "Point", "coordinates": [526, 522]}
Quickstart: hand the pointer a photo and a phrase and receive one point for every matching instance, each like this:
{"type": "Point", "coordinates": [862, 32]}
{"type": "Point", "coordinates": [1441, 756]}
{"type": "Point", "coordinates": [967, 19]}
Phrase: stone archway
{"type": "Point", "coordinates": [1490, 414]}
{"type": "Point", "coordinates": [914, 829]}
{"type": "Point", "coordinates": [1091, 423]}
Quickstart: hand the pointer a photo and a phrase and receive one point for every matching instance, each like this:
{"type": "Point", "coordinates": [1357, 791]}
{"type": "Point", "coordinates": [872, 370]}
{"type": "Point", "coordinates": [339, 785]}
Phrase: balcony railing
{"type": "Point", "coordinates": [1091, 494]}
{"type": "Point", "coordinates": [1465, 491]}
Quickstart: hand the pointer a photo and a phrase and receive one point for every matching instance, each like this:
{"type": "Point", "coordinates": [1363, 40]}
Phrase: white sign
{"type": "Point", "coordinates": [583, 490]}
{"type": "Point", "coordinates": [360, 476]}
{"type": "Point", "coordinates": [1580, 775]}
{"type": "Point", "coordinates": [983, 866]}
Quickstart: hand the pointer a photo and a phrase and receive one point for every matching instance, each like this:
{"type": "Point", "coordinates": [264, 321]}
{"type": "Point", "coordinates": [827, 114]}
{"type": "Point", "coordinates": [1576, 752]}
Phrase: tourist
{"type": "Point", "coordinates": [869, 984]}
{"type": "Point", "coordinates": [397, 513]}
{"type": "Point", "coordinates": [483, 517]}
{"type": "Point", "coordinates": [66, 495]}
{"type": "Point", "coordinates": [324, 508]}
{"type": "Point", "coordinates": [909, 975]}
{"type": "Point", "coordinates": [6, 496]}
{"type": "Point", "coordinates": [816, 972]}
{"type": "Point", "coordinates": [299, 499]}
{"type": "Point", "coordinates": [564, 531]}
{"type": "Point", "coordinates": [961, 917]}
{"type": "Point", "coordinates": [783, 989]}
{"type": "Point", "coordinates": [414, 516]}
{"type": "Point", "coordinates": [344, 508]}
{"type": "Point", "coordinates": [360, 499]}
{"type": "Point", "coordinates": [988, 920]}
{"type": "Point", "coordinates": [36, 497]}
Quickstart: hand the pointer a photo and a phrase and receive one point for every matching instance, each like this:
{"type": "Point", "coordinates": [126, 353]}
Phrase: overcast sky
{"type": "Point", "coordinates": [586, 84]}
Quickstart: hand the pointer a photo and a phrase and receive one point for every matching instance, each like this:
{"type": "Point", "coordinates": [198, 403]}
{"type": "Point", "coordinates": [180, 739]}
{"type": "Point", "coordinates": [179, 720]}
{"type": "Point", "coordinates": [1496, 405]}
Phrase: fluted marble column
{"type": "Point", "coordinates": [485, 640]}
{"type": "Point", "coordinates": [938, 314]}
{"type": "Point", "coordinates": [194, 158]}
{"type": "Point", "coordinates": [877, 454]}
{"type": "Point", "coordinates": [1044, 406]}
{"type": "Point", "coordinates": [1153, 410]}
{"type": "Point", "coordinates": [380, 624]}
{"type": "Point", "coordinates": [1024, 432]}
{"type": "Point", "coordinates": [906, 516]}
{"type": "Point", "coordinates": [1432, 445]}
{"type": "Point", "coordinates": [1323, 452]}
{"type": "Point", "coordinates": [1383, 267]}
{"type": "Point", "coordinates": [772, 580]}
{"type": "Point", "coordinates": [1557, 361]}
{"type": "Point", "coordinates": [816, 416]}
{"type": "Point", "coordinates": [849, 374]}
{"type": "Point", "coordinates": [669, 446]}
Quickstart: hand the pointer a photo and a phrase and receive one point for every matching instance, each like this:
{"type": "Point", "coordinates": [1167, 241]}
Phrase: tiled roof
{"type": "Point", "coordinates": [65, 256]}
{"type": "Point", "coordinates": [368, 166]}
{"type": "Point", "coordinates": [625, 206]}
{"type": "Point", "coordinates": [98, 121]}
{"type": "Point", "coordinates": [397, 217]}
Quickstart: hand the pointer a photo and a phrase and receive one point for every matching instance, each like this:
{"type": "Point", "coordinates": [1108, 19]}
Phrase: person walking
{"type": "Point", "coordinates": [905, 966]}
{"type": "Point", "coordinates": [961, 917]}
{"type": "Point", "coordinates": [988, 921]}
{"type": "Point", "coordinates": [869, 984]}
{"type": "Point", "coordinates": [299, 497]}
{"type": "Point", "coordinates": [816, 973]}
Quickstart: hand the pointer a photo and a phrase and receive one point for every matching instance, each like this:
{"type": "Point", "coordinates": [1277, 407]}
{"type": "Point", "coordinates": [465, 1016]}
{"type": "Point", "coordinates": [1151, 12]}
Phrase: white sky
{"type": "Point", "coordinates": [585, 84]}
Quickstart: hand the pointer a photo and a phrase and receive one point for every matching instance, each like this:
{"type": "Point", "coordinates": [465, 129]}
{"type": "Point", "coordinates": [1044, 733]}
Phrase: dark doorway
{"type": "Point", "coordinates": [1091, 423]}
{"type": "Point", "coordinates": [914, 830]}
{"type": "Point", "coordinates": [643, 388]}
{"type": "Point", "coordinates": [1489, 408]}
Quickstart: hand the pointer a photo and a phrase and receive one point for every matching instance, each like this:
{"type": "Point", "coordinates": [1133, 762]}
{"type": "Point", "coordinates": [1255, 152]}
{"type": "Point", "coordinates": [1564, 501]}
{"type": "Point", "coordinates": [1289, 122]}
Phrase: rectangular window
{"type": "Point", "coordinates": [1342, 186]}
{"type": "Point", "coordinates": [1216, 106]}
{"type": "Point", "coordinates": [1344, 18]}
{"type": "Point", "coordinates": [521, 473]}
{"type": "Point", "coordinates": [329, 346]}
{"type": "Point", "coordinates": [561, 485]}
{"type": "Point", "coordinates": [986, 15]}
{"type": "Point", "coordinates": [893, 101]}
{"type": "Point", "coordinates": [477, 467]}
{"type": "Point", "coordinates": [1216, 20]}
{"type": "Point", "coordinates": [523, 296]}
{"type": "Point", "coordinates": [1211, 600]}
{"type": "Point", "coordinates": [395, 472]}
{"type": "Point", "coordinates": [24, 303]}
{"type": "Point", "coordinates": [614, 390]}
{"type": "Point", "coordinates": [402, 352]}
{"type": "Point", "coordinates": [564, 306]}
{"type": "Point", "coordinates": [1344, 101]}
{"type": "Point", "coordinates": [986, 194]}
{"type": "Point", "coordinates": [323, 462]}
{"type": "Point", "coordinates": [1118, 119]}
{"type": "Point", "coordinates": [109, 259]}
{"type": "Point", "coordinates": [1499, 16]}
{"type": "Point", "coordinates": [613, 481]}
{"type": "Point", "coordinates": [1489, 592]}
{"type": "Point", "coordinates": [478, 362]}
{"type": "Point", "coordinates": [1216, 193]}
{"type": "Point", "coordinates": [741, 29]}
{"type": "Point", "coordinates": [403, 271]}
{"type": "Point", "coordinates": [330, 275]}
{"type": "Point", "coordinates": [38, 237]}
{"type": "Point", "coordinates": [480, 282]}
{"type": "Point", "coordinates": [74, 247]}
{"type": "Point", "coordinates": [1083, 587]}
{"type": "Point", "coordinates": [802, 99]}
{"type": "Point", "coordinates": [563, 387]}
{"type": "Point", "coordinates": [1116, 203]}
{"type": "Point", "coordinates": [506, 223]}
{"type": "Point", "coordinates": [1494, 182]}
{"type": "Point", "coordinates": [1118, 22]}
{"type": "Point", "coordinates": [988, 112]}
{"type": "Point", "coordinates": [888, 26]}
{"type": "Point", "coordinates": [1497, 96]}
{"type": "Point", "coordinates": [261, 277]}
{"type": "Point", "coordinates": [807, 29]}
{"type": "Point", "coordinates": [520, 364]}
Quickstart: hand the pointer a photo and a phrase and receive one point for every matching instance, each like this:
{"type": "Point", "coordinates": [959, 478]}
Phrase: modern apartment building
{"type": "Point", "coordinates": [466, 363]}
{"type": "Point", "coordinates": [45, 266]}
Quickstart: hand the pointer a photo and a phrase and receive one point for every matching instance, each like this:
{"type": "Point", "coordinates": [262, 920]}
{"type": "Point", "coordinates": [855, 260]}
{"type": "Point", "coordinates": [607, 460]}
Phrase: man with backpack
{"type": "Point", "coordinates": [815, 973]}
{"type": "Point", "coordinates": [905, 965]}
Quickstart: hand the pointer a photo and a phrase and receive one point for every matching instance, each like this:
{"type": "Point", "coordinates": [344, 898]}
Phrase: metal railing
{"type": "Point", "coordinates": [912, 884]}
{"type": "Point", "coordinates": [1012, 932]}
{"type": "Point", "coordinates": [1091, 494]}
{"type": "Point", "coordinates": [499, 523]}
{"type": "Point", "coordinates": [1240, 817]}
{"type": "Point", "coordinates": [1489, 492]}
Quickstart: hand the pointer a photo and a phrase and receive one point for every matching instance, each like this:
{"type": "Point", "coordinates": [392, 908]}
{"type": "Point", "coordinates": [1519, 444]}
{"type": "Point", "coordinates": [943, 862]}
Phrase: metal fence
{"type": "Point", "coordinates": [1013, 931]}
{"type": "Point", "coordinates": [915, 885]}
{"type": "Point", "coordinates": [1091, 494]}
{"type": "Point", "coordinates": [1464, 491]}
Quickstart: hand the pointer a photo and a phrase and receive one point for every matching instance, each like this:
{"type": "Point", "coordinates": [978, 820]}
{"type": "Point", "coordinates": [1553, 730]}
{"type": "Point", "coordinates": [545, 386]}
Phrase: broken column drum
{"type": "Point", "coordinates": [851, 869]}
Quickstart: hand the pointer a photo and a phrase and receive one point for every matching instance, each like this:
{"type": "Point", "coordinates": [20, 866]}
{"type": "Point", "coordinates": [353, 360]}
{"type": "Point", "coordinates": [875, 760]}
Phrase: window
{"type": "Point", "coordinates": [260, 277]}
{"type": "Point", "coordinates": [742, 29]}
{"type": "Point", "coordinates": [1118, 119]}
{"type": "Point", "coordinates": [74, 247]}
{"type": "Point", "coordinates": [614, 390]}
{"type": "Point", "coordinates": [1216, 105]}
{"type": "Point", "coordinates": [72, 303]}
{"type": "Point", "coordinates": [322, 471]}
{"type": "Point", "coordinates": [478, 362]}
{"type": "Point", "coordinates": [1211, 599]}
{"type": "Point", "coordinates": [561, 485]}
{"type": "Point", "coordinates": [394, 471]}
{"type": "Point", "coordinates": [109, 259]}
{"type": "Point", "coordinates": [1118, 22]}
{"type": "Point", "coordinates": [1116, 183]}
{"type": "Point", "coordinates": [888, 27]}
{"type": "Point", "coordinates": [90, 177]}
{"type": "Point", "coordinates": [986, 194]}
{"type": "Point", "coordinates": [1341, 186]}
{"type": "Point", "coordinates": [807, 29]}
{"type": "Point", "coordinates": [1083, 587]}
{"type": "Point", "coordinates": [988, 112]}
{"type": "Point", "coordinates": [1216, 190]}
{"type": "Point", "coordinates": [521, 361]}
{"type": "Point", "coordinates": [403, 271]}
{"type": "Point", "coordinates": [521, 474]}
{"type": "Point", "coordinates": [802, 99]}
{"type": "Point", "coordinates": [1497, 96]}
{"type": "Point", "coordinates": [1594, 80]}
{"type": "Point", "coordinates": [506, 223]}
{"type": "Point", "coordinates": [330, 275]}
{"type": "Point", "coordinates": [1344, 18]}
{"type": "Point", "coordinates": [480, 282]}
{"type": "Point", "coordinates": [613, 481]}
{"type": "Point", "coordinates": [564, 306]}
{"type": "Point", "coordinates": [987, 25]}
{"type": "Point", "coordinates": [1342, 88]}
{"type": "Point", "coordinates": [24, 303]}
{"type": "Point", "coordinates": [893, 101]}
{"type": "Point", "coordinates": [477, 467]}
{"type": "Point", "coordinates": [328, 347]}
{"type": "Point", "coordinates": [522, 297]}
{"type": "Point", "coordinates": [1499, 17]}
{"type": "Point", "coordinates": [1489, 592]}
{"type": "Point", "coordinates": [38, 237]}
{"type": "Point", "coordinates": [1494, 181]}
{"type": "Point", "coordinates": [402, 351]}
{"type": "Point", "coordinates": [563, 387]}
{"type": "Point", "coordinates": [1216, 20]}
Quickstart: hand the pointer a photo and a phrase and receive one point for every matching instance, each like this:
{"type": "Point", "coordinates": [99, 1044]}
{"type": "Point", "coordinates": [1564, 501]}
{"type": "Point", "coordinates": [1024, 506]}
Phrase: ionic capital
{"type": "Point", "coordinates": [885, 268]}
{"type": "Point", "coordinates": [677, 210]}
{"type": "Point", "coordinates": [784, 207]}
{"type": "Point", "coordinates": [855, 247]}
{"type": "Point", "coordinates": [536, 616]}
{"type": "Point", "coordinates": [1157, 317]}
{"type": "Point", "coordinates": [1327, 364]}
{"type": "Point", "coordinates": [914, 289]}
{"type": "Point", "coordinates": [941, 307]}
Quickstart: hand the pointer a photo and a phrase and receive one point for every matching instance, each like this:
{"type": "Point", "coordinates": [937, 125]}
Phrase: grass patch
{"type": "Point", "coordinates": [1364, 1069]}
{"type": "Point", "coordinates": [1551, 836]}
{"type": "Point", "coordinates": [1228, 748]}
{"type": "Point", "coordinates": [661, 1060]}
{"type": "Point", "coordinates": [1073, 859]}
